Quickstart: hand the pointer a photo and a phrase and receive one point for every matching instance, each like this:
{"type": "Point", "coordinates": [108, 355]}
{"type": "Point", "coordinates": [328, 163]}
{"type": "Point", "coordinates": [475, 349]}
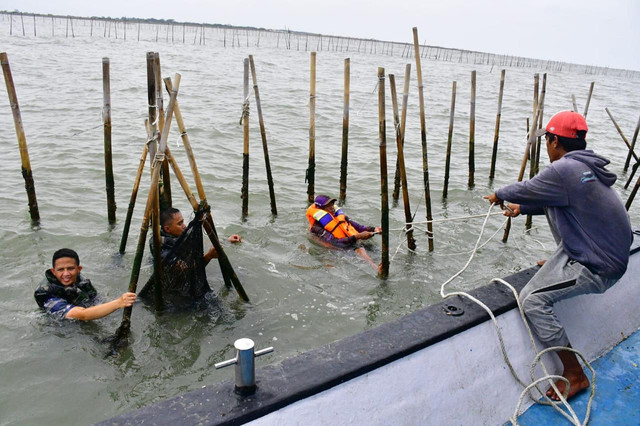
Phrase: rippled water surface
{"type": "Point", "coordinates": [302, 295]}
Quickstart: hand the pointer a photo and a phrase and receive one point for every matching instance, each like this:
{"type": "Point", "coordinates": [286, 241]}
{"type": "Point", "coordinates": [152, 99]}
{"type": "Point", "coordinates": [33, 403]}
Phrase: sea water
{"type": "Point", "coordinates": [302, 295]}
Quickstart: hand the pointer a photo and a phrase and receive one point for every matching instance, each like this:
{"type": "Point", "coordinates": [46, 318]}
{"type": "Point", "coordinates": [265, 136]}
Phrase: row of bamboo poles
{"type": "Point", "coordinates": [157, 123]}
{"type": "Point", "coordinates": [169, 31]}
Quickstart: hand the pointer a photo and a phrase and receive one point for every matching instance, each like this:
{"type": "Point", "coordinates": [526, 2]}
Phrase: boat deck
{"type": "Point", "coordinates": [617, 398]}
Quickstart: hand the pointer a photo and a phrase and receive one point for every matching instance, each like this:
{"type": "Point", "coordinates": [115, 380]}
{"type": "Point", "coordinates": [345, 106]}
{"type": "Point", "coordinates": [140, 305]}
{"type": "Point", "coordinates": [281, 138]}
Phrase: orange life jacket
{"type": "Point", "coordinates": [336, 224]}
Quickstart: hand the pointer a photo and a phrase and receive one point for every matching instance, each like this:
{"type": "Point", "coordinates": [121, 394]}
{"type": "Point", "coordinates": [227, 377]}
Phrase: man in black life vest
{"type": "Point", "coordinates": [64, 293]}
{"type": "Point", "coordinates": [332, 227]}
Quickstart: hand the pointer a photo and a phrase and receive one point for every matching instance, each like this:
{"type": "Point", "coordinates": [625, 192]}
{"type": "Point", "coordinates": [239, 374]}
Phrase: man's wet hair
{"type": "Point", "coordinates": [65, 252]}
{"type": "Point", "coordinates": [166, 215]}
{"type": "Point", "coordinates": [571, 144]}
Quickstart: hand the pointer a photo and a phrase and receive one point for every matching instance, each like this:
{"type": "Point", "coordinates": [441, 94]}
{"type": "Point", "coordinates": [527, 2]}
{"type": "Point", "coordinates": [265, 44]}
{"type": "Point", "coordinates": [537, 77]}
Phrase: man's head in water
{"type": "Point", "coordinates": [172, 222]}
{"type": "Point", "coordinates": [66, 266]}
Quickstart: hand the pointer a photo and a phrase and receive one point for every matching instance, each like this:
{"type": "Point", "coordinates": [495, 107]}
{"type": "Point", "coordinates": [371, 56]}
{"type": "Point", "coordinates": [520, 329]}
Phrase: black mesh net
{"type": "Point", "coordinates": [184, 279]}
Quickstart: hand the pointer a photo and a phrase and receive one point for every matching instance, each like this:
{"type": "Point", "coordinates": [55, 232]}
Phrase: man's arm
{"type": "Point", "coordinates": [99, 311]}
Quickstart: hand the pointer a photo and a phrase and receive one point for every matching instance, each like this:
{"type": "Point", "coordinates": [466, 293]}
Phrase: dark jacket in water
{"type": "Point", "coordinates": [577, 195]}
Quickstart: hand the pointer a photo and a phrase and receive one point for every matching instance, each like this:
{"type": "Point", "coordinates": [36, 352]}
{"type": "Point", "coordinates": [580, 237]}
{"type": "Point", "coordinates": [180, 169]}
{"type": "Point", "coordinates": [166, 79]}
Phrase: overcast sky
{"type": "Point", "coordinates": [592, 32]}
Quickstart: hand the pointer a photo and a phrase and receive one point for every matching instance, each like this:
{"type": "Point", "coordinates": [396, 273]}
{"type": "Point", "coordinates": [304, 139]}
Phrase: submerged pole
{"type": "Point", "coordinates": [22, 141]}
{"type": "Point", "coordinates": [108, 162]}
{"type": "Point", "coordinates": [382, 132]}
{"type": "Point", "coordinates": [472, 130]}
{"type": "Point", "coordinates": [245, 146]}
{"type": "Point", "coordinates": [445, 188]}
{"type": "Point", "coordinates": [423, 135]}
{"type": "Point", "coordinates": [496, 132]}
{"type": "Point", "coordinates": [411, 243]}
{"type": "Point", "coordinates": [311, 169]}
{"type": "Point", "coordinates": [263, 135]}
{"type": "Point", "coordinates": [345, 132]}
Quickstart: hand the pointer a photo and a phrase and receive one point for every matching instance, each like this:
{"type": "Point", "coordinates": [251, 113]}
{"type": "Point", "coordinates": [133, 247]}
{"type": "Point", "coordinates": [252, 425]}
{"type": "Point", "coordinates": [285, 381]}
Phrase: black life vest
{"type": "Point", "coordinates": [82, 293]}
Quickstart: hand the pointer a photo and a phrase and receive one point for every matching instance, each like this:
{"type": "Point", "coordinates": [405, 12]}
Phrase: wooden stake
{"type": "Point", "coordinates": [496, 133]}
{"type": "Point", "coordinates": [541, 122]}
{"type": "Point", "coordinates": [22, 141]}
{"type": "Point", "coordinates": [228, 274]}
{"type": "Point", "coordinates": [108, 162]}
{"type": "Point", "coordinates": [423, 134]}
{"type": "Point", "coordinates": [245, 147]}
{"type": "Point", "coordinates": [382, 132]}
{"type": "Point", "coordinates": [573, 101]}
{"type": "Point", "coordinates": [472, 130]}
{"type": "Point", "coordinates": [624, 138]}
{"type": "Point", "coordinates": [445, 189]}
{"type": "Point", "coordinates": [633, 145]}
{"type": "Point", "coordinates": [263, 134]}
{"type": "Point", "coordinates": [345, 132]}
{"type": "Point", "coordinates": [165, 195]}
{"type": "Point", "coordinates": [586, 106]}
{"type": "Point", "coordinates": [411, 243]}
{"type": "Point", "coordinates": [633, 194]}
{"type": "Point", "coordinates": [311, 169]}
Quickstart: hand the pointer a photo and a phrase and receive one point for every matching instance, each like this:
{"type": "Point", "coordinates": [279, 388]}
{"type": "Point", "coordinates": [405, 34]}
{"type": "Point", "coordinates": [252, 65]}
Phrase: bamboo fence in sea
{"type": "Point", "coordinates": [22, 24]}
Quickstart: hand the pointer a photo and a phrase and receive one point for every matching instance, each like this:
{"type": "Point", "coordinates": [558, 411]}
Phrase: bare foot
{"type": "Point", "coordinates": [578, 382]}
{"type": "Point", "coordinates": [541, 262]}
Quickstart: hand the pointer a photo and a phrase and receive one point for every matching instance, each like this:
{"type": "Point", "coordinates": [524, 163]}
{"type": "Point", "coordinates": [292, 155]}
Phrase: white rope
{"type": "Point", "coordinates": [365, 103]}
{"type": "Point", "coordinates": [572, 417]}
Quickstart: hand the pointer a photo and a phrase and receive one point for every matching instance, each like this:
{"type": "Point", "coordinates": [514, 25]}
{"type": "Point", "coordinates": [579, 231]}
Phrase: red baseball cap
{"type": "Point", "coordinates": [565, 124]}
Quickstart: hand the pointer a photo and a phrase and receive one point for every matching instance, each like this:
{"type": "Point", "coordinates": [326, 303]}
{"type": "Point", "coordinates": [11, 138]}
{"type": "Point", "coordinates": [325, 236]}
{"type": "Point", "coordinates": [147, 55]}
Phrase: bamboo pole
{"type": "Point", "coordinates": [245, 147]}
{"type": "Point", "coordinates": [445, 189]}
{"type": "Point", "coordinates": [624, 138]}
{"type": "Point", "coordinates": [345, 132]}
{"type": "Point", "coordinates": [108, 162]}
{"type": "Point", "coordinates": [423, 134]}
{"type": "Point", "coordinates": [541, 121]}
{"type": "Point", "coordinates": [22, 141]}
{"type": "Point", "coordinates": [573, 101]}
{"type": "Point", "coordinates": [165, 195]}
{"type": "Point", "coordinates": [633, 145]}
{"type": "Point", "coordinates": [634, 191]}
{"type": "Point", "coordinates": [263, 135]}
{"type": "Point", "coordinates": [124, 329]}
{"type": "Point", "coordinates": [382, 132]}
{"type": "Point", "coordinates": [153, 111]}
{"type": "Point", "coordinates": [496, 133]}
{"type": "Point", "coordinates": [134, 194]}
{"type": "Point", "coordinates": [472, 130]}
{"type": "Point", "coordinates": [586, 106]}
{"type": "Point", "coordinates": [311, 169]}
{"type": "Point", "coordinates": [411, 243]}
{"type": "Point", "coordinates": [228, 274]}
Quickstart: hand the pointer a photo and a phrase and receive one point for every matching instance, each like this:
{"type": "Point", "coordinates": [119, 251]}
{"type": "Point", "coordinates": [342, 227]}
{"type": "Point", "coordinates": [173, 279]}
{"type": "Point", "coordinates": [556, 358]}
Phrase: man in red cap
{"type": "Point", "coordinates": [588, 222]}
{"type": "Point", "coordinates": [332, 227]}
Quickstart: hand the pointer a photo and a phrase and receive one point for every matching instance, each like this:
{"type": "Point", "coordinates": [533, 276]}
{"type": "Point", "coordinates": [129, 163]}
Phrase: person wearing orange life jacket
{"type": "Point", "coordinates": [333, 227]}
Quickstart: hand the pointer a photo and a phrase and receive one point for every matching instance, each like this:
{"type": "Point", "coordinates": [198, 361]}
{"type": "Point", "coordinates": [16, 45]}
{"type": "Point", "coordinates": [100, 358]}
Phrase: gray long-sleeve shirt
{"type": "Point", "coordinates": [588, 213]}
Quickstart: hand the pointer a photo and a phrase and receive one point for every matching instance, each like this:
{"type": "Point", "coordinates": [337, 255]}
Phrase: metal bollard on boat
{"type": "Point", "coordinates": [245, 365]}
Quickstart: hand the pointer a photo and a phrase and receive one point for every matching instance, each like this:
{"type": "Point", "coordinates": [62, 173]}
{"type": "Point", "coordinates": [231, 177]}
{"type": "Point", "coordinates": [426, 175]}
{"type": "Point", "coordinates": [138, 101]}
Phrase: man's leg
{"type": "Point", "coordinates": [558, 279]}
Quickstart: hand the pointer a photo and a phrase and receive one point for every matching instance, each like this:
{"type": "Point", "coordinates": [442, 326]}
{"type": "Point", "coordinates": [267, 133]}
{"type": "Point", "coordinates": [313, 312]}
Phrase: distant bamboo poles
{"type": "Point", "coordinates": [311, 169]}
{"type": "Point", "coordinates": [108, 163]}
{"type": "Point", "coordinates": [496, 133]}
{"type": "Point", "coordinates": [445, 187]}
{"type": "Point", "coordinates": [245, 146]}
{"type": "Point", "coordinates": [22, 141]}
{"type": "Point", "coordinates": [384, 188]}
{"type": "Point", "coordinates": [263, 134]}
{"type": "Point", "coordinates": [423, 134]}
{"type": "Point", "coordinates": [345, 132]}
